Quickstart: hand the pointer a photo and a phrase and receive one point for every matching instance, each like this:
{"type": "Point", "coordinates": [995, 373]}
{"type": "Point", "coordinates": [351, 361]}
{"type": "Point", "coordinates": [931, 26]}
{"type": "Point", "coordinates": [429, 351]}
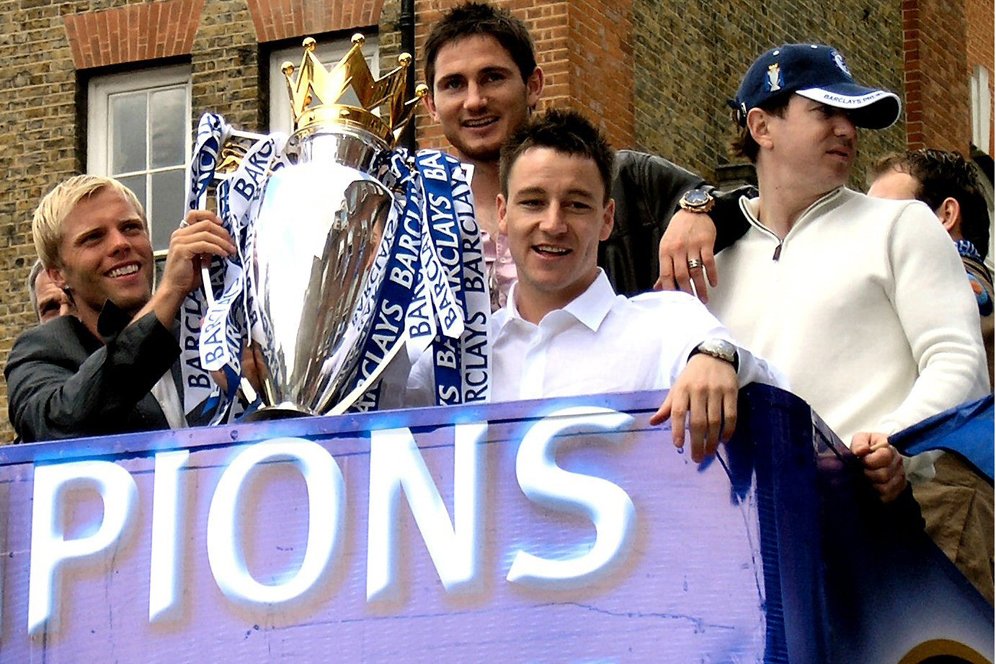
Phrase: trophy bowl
{"type": "Point", "coordinates": [317, 232]}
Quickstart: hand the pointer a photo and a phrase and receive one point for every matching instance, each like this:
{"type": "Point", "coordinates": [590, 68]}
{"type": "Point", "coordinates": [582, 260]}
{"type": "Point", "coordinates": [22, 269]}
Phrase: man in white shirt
{"type": "Point", "coordinates": [564, 331]}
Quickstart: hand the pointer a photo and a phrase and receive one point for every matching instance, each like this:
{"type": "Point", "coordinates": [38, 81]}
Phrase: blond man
{"type": "Point", "coordinates": [108, 369]}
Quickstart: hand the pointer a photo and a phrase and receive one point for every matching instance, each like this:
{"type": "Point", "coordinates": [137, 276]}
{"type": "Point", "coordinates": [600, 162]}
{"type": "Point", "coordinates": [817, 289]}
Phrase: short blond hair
{"type": "Point", "coordinates": [51, 213]}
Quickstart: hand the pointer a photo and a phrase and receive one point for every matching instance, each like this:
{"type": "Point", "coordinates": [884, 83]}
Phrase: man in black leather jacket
{"type": "Point", "coordinates": [480, 66]}
{"type": "Point", "coordinates": [647, 190]}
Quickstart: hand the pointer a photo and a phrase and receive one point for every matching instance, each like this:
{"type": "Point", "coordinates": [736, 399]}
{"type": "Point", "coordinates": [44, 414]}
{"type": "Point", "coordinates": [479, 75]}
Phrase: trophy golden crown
{"type": "Point", "coordinates": [316, 94]}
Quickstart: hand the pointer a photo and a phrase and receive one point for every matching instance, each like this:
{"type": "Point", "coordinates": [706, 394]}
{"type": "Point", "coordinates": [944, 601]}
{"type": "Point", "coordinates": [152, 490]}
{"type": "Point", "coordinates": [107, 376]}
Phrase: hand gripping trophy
{"type": "Point", "coordinates": [353, 253]}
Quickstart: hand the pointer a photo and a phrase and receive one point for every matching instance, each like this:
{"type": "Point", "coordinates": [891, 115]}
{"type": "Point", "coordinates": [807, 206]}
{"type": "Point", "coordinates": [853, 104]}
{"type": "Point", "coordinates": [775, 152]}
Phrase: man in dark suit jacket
{"type": "Point", "coordinates": [107, 371]}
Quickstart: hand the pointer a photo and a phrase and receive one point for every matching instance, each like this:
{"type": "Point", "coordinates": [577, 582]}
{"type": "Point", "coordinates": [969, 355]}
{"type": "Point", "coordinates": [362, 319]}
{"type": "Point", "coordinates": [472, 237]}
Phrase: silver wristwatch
{"type": "Point", "coordinates": [721, 349]}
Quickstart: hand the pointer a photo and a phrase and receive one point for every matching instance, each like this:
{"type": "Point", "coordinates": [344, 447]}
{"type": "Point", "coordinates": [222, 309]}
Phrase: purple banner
{"type": "Point", "coordinates": [561, 530]}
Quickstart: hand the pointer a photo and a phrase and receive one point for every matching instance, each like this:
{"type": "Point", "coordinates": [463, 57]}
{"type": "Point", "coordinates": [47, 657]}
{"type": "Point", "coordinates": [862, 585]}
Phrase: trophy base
{"type": "Point", "coordinates": [282, 412]}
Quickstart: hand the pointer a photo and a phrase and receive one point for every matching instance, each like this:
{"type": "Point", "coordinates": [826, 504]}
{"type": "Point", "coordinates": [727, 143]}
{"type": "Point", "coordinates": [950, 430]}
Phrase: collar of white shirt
{"type": "Point", "coordinates": [590, 308]}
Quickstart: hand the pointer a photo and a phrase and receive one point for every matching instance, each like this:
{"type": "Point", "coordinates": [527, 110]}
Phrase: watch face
{"type": "Point", "coordinates": [697, 198]}
{"type": "Point", "coordinates": [720, 348]}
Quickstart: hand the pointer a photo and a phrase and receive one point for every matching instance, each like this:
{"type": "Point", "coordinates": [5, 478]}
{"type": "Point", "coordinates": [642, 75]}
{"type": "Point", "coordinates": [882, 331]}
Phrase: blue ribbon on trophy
{"type": "Point", "coordinates": [425, 287]}
{"type": "Point", "coordinates": [200, 391]}
{"type": "Point", "coordinates": [214, 320]}
{"type": "Point", "coordinates": [350, 251]}
{"type": "Point", "coordinates": [232, 314]}
{"type": "Point", "coordinates": [390, 290]}
{"type": "Point", "coordinates": [475, 360]}
{"type": "Point", "coordinates": [443, 268]}
{"type": "Point", "coordinates": [420, 319]}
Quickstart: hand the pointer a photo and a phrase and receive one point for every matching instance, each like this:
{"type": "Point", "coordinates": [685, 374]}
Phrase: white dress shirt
{"type": "Point", "coordinates": [602, 343]}
{"type": "Point", "coordinates": [169, 400]}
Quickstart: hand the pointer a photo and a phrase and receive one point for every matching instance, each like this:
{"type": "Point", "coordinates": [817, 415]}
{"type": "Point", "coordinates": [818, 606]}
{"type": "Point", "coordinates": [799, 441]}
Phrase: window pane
{"type": "Point", "coordinates": [169, 111]}
{"type": "Point", "coordinates": [128, 132]}
{"type": "Point", "coordinates": [160, 268]}
{"type": "Point", "coordinates": [137, 184]}
{"type": "Point", "coordinates": [138, 131]}
{"type": "Point", "coordinates": [167, 205]}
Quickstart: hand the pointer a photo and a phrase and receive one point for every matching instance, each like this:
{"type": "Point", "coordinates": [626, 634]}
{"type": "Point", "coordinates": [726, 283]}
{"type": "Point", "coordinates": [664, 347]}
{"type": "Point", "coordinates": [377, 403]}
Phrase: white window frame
{"type": "Point", "coordinates": [982, 105]}
{"type": "Point", "coordinates": [982, 108]}
{"type": "Point", "coordinates": [99, 91]}
{"type": "Point", "coordinates": [329, 52]}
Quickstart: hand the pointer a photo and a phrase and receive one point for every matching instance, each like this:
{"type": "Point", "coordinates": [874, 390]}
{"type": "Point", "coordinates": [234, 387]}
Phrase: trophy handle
{"type": "Point", "coordinates": [233, 150]}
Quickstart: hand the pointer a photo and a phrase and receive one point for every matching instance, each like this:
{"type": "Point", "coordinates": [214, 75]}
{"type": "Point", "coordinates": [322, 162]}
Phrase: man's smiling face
{"type": "Point", "coordinates": [478, 96]}
{"type": "Point", "coordinates": [555, 214]}
{"type": "Point", "coordinates": [104, 254]}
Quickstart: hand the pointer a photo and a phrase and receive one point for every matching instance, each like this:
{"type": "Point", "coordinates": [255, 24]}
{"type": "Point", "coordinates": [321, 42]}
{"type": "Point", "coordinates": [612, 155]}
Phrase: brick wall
{"type": "Point", "coordinates": [689, 62]}
{"type": "Point", "coordinates": [133, 33]}
{"type": "Point", "coordinates": [600, 56]}
{"type": "Point", "coordinates": [390, 36]}
{"type": "Point", "coordinates": [937, 74]}
{"type": "Point", "coordinates": [283, 19]}
{"type": "Point", "coordinates": [225, 65]}
{"type": "Point", "coordinates": [944, 41]}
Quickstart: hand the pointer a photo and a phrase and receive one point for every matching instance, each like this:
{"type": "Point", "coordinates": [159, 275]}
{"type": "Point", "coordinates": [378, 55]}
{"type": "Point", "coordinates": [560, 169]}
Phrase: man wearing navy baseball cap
{"type": "Point", "coordinates": [817, 73]}
{"type": "Point", "coordinates": [812, 71]}
{"type": "Point", "coordinates": [861, 302]}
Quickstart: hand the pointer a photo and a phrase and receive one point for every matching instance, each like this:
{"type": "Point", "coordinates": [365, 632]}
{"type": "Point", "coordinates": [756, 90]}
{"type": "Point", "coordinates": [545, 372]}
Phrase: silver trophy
{"type": "Point", "coordinates": [317, 232]}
